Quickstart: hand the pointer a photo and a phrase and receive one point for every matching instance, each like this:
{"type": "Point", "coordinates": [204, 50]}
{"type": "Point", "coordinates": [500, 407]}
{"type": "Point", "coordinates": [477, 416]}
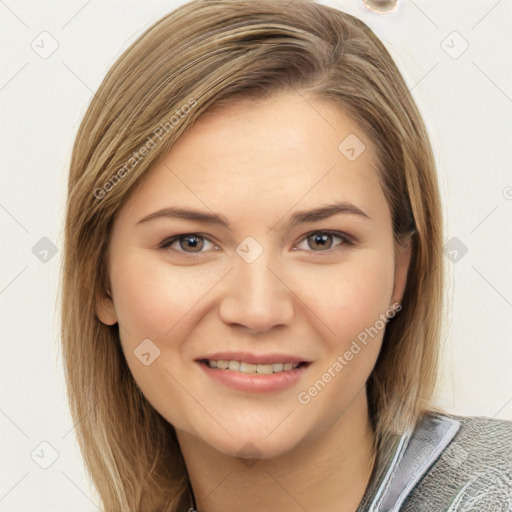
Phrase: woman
{"type": "Point", "coordinates": [251, 308]}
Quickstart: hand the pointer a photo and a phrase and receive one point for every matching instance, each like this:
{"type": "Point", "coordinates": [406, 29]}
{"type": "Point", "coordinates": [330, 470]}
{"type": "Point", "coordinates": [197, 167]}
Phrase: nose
{"type": "Point", "coordinates": [257, 297]}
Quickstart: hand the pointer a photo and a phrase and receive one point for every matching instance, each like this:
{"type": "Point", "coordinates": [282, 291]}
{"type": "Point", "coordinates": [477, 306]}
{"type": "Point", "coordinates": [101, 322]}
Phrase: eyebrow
{"type": "Point", "coordinates": [300, 217]}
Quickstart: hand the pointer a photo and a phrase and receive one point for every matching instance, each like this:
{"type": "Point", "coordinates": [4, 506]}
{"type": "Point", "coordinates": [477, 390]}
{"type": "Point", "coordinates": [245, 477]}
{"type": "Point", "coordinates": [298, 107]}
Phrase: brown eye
{"type": "Point", "coordinates": [193, 242]}
{"type": "Point", "coordinates": [188, 243]}
{"type": "Point", "coordinates": [323, 241]}
{"type": "Point", "coordinates": [320, 241]}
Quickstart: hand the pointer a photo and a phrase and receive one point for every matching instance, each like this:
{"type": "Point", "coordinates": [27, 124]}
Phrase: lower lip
{"type": "Point", "coordinates": [253, 382]}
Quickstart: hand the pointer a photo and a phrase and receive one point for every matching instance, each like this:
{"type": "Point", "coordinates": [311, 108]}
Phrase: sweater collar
{"type": "Point", "coordinates": [410, 458]}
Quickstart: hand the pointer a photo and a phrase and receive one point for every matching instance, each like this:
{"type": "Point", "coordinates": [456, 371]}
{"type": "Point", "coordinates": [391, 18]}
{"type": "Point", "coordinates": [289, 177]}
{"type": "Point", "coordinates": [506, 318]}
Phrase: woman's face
{"type": "Point", "coordinates": [258, 280]}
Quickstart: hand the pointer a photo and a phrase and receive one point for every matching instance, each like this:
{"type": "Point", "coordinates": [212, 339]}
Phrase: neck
{"type": "Point", "coordinates": [328, 470]}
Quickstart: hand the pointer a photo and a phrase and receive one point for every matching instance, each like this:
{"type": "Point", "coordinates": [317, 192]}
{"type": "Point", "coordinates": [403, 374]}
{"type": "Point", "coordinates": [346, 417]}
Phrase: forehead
{"type": "Point", "coordinates": [271, 154]}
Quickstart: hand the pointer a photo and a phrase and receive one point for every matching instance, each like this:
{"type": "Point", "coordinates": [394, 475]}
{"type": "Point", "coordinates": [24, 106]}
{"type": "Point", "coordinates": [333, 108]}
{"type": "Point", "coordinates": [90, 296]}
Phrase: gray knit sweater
{"type": "Point", "coordinates": [449, 464]}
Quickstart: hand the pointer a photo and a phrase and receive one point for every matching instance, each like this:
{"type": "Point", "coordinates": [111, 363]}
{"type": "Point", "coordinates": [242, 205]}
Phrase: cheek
{"type": "Point", "coordinates": [350, 298]}
{"type": "Point", "coordinates": [353, 304]}
{"type": "Point", "coordinates": [157, 302]}
{"type": "Point", "coordinates": [151, 298]}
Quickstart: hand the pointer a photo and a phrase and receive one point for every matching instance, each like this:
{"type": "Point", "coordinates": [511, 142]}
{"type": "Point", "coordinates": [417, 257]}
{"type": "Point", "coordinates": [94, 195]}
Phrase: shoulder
{"type": "Point", "coordinates": [472, 472]}
{"type": "Point", "coordinates": [482, 438]}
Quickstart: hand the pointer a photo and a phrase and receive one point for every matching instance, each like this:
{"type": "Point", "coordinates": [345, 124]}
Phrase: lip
{"type": "Point", "coordinates": [253, 382]}
{"type": "Point", "coordinates": [250, 358]}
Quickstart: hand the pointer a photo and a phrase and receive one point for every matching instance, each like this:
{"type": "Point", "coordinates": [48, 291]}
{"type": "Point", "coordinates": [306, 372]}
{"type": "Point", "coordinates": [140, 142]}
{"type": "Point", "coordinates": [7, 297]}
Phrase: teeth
{"type": "Point", "coordinates": [234, 365]}
{"type": "Point", "coordinates": [242, 367]}
{"type": "Point", "coordinates": [248, 368]}
{"type": "Point", "coordinates": [265, 369]}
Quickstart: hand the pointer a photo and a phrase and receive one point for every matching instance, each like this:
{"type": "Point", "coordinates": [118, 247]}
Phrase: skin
{"type": "Point", "coordinates": [256, 163]}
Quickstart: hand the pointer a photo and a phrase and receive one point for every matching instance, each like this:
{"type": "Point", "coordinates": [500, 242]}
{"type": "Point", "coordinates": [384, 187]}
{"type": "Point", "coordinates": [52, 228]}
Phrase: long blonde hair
{"type": "Point", "coordinates": [198, 57]}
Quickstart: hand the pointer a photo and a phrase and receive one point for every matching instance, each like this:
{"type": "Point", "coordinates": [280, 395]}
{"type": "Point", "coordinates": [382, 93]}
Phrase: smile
{"type": "Point", "coordinates": [254, 373]}
{"type": "Point", "coordinates": [248, 368]}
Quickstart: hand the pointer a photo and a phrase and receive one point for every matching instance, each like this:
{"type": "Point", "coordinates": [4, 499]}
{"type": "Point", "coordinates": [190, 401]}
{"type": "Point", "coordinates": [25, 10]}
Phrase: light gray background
{"type": "Point", "coordinates": [466, 100]}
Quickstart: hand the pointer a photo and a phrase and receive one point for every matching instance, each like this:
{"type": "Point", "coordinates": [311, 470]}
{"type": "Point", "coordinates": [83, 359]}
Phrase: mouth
{"type": "Point", "coordinates": [233, 365]}
{"type": "Point", "coordinates": [250, 373]}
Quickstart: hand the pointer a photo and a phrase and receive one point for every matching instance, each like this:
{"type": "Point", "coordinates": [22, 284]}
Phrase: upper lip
{"type": "Point", "coordinates": [247, 357]}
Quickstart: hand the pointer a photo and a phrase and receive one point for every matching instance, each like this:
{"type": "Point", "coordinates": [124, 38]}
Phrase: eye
{"type": "Point", "coordinates": [321, 241]}
{"type": "Point", "coordinates": [193, 241]}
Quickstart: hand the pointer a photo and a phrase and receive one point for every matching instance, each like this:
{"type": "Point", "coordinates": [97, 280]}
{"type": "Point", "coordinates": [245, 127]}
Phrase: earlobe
{"type": "Point", "coordinates": [402, 262]}
{"type": "Point", "coordinates": [105, 310]}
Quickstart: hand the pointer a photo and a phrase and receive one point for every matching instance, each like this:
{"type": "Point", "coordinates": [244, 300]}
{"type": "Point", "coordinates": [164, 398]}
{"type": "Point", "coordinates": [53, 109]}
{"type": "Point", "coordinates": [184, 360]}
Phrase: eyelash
{"type": "Point", "coordinates": [346, 240]}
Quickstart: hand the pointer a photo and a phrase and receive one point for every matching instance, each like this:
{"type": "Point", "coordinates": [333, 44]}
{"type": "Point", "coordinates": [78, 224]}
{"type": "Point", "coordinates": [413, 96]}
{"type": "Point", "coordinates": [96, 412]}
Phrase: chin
{"type": "Point", "coordinates": [249, 443]}
{"type": "Point", "coordinates": [252, 450]}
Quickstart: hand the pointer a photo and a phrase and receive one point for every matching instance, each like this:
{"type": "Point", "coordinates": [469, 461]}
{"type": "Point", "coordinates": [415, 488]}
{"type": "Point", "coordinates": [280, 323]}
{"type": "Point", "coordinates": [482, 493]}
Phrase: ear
{"type": "Point", "coordinates": [402, 261]}
{"type": "Point", "coordinates": [105, 310]}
